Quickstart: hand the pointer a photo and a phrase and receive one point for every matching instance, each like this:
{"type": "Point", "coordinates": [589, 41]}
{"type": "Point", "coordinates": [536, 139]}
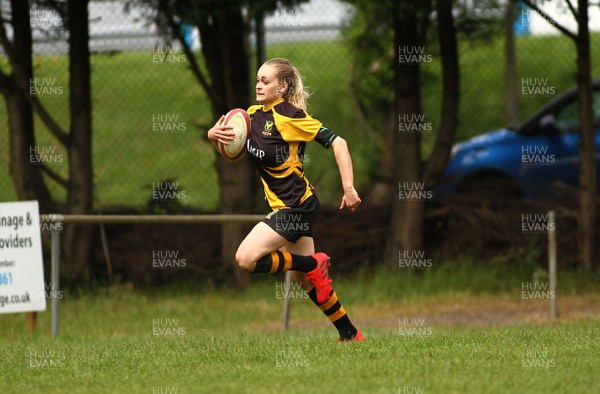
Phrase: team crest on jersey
{"type": "Point", "coordinates": [268, 127]}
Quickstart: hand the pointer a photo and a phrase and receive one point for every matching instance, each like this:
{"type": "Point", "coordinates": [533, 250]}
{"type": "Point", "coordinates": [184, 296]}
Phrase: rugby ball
{"type": "Point", "coordinates": [239, 119]}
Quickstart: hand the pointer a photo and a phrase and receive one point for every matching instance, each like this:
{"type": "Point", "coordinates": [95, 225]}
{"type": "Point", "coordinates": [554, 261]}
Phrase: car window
{"type": "Point", "coordinates": [567, 119]}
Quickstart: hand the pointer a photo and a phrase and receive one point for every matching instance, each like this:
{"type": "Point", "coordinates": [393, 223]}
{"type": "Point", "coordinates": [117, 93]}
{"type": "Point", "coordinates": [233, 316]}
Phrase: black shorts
{"type": "Point", "coordinates": [294, 223]}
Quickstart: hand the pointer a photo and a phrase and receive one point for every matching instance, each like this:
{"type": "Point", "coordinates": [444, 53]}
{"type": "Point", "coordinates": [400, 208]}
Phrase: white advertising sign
{"type": "Point", "coordinates": [22, 286]}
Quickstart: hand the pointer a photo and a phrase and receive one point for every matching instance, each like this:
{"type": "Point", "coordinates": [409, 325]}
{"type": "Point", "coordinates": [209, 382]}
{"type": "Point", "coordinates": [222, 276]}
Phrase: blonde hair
{"type": "Point", "coordinates": [295, 93]}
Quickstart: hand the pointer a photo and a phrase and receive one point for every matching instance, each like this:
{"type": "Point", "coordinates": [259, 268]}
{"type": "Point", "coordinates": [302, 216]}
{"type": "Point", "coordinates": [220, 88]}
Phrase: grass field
{"type": "Point", "coordinates": [539, 359]}
{"type": "Point", "coordinates": [463, 337]}
{"type": "Point", "coordinates": [130, 90]}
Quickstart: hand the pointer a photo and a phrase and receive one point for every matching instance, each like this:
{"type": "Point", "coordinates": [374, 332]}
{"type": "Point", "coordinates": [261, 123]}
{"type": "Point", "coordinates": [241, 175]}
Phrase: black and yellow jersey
{"type": "Point", "coordinates": [278, 135]}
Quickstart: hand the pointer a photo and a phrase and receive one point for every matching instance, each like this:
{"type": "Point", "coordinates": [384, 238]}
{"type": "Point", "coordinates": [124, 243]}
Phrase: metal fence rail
{"type": "Point", "coordinates": [157, 219]}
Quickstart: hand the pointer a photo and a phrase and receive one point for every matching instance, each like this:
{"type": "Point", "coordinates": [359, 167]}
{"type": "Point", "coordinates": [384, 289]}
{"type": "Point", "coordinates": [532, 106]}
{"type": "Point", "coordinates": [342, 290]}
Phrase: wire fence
{"type": "Point", "coordinates": [150, 116]}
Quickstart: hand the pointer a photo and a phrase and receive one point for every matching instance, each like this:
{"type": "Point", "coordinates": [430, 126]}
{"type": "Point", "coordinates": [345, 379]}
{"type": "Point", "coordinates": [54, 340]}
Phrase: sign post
{"type": "Point", "coordinates": [22, 286]}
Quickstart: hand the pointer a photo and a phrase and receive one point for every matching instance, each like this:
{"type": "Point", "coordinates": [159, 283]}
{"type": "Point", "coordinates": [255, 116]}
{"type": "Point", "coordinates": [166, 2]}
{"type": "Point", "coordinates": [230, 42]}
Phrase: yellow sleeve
{"type": "Point", "coordinates": [297, 128]}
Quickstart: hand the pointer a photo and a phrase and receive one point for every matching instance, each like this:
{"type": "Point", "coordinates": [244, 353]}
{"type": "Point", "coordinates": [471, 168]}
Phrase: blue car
{"type": "Point", "coordinates": [531, 160]}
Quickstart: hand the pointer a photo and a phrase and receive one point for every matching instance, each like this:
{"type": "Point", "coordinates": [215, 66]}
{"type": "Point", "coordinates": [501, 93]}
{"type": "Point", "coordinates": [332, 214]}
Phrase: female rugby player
{"type": "Point", "coordinates": [280, 128]}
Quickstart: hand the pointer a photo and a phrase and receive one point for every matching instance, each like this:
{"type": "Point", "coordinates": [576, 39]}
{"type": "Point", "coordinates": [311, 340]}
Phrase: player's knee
{"type": "Point", "coordinates": [244, 260]}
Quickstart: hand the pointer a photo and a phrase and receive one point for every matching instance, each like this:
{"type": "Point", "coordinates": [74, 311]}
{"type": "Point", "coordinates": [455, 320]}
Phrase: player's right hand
{"type": "Point", "coordinates": [220, 133]}
{"type": "Point", "coordinates": [350, 200]}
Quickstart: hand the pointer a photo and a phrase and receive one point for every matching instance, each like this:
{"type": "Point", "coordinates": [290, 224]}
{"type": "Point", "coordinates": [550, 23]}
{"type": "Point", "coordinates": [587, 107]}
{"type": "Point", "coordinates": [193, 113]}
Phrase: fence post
{"type": "Point", "coordinates": [552, 262]}
{"type": "Point", "coordinates": [55, 276]}
{"type": "Point", "coordinates": [286, 301]}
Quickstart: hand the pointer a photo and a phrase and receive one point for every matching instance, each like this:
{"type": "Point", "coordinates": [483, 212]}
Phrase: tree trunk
{"type": "Point", "coordinates": [437, 161]}
{"type": "Point", "coordinates": [406, 232]}
{"type": "Point", "coordinates": [587, 167]}
{"type": "Point", "coordinates": [510, 78]}
{"type": "Point", "coordinates": [80, 186]}
{"type": "Point", "coordinates": [27, 177]}
{"type": "Point", "coordinates": [259, 31]}
{"type": "Point", "coordinates": [228, 63]}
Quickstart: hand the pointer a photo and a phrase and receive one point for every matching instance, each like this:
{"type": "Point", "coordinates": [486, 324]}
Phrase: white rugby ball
{"type": "Point", "coordinates": [239, 119]}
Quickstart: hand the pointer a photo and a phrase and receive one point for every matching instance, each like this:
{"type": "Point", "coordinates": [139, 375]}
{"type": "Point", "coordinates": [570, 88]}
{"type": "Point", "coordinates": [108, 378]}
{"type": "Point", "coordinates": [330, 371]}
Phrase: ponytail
{"type": "Point", "coordinates": [295, 93]}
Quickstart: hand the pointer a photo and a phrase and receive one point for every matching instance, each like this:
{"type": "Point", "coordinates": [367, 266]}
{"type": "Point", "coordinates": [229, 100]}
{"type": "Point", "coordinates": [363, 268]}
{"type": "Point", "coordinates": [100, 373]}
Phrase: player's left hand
{"type": "Point", "coordinates": [351, 200]}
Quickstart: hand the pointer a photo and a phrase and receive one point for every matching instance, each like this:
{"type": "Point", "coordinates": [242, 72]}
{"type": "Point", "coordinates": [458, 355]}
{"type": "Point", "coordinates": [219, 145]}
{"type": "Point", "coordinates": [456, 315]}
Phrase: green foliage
{"type": "Point", "coordinates": [371, 39]}
{"type": "Point", "coordinates": [479, 20]}
{"type": "Point", "coordinates": [369, 35]}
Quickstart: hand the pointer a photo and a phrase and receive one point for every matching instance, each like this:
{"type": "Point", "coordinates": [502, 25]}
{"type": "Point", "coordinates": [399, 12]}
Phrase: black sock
{"type": "Point", "coordinates": [332, 308]}
{"type": "Point", "coordinates": [284, 261]}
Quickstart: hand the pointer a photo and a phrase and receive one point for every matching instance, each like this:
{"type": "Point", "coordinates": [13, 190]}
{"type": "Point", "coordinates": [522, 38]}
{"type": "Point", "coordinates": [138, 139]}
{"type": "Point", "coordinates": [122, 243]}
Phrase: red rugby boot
{"type": "Point", "coordinates": [320, 277]}
{"type": "Point", "coordinates": [358, 338]}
